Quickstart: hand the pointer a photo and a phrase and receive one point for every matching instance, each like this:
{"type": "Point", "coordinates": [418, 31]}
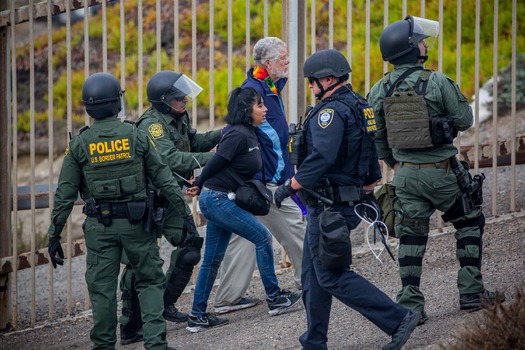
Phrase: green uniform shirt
{"type": "Point", "coordinates": [180, 147]}
{"type": "Point", "coordinates": [442, 97]}
{"type": "Point", "coordinates": [72, 178]}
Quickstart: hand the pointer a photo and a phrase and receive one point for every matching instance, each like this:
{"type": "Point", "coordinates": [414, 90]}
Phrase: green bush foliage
{"type": "Point", "coordinates": [168, 53]}
{"type": "Point", "coordinates": [505, 86]}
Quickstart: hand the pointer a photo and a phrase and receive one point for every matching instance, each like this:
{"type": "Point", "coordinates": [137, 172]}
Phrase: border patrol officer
{"type": "Point", "coordinates": [341, 162]}
{"type": "Point", "coordinates": [422, 153]}
{"type": "Point", "coordinates": [109, 163]}
{"type": "Point", "coordinates": [183, 149]}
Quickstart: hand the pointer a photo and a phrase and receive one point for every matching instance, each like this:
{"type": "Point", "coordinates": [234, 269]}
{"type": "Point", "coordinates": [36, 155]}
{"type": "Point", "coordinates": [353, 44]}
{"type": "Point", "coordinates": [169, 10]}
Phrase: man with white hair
{"type": "Point", "coordinates": [271, 60]}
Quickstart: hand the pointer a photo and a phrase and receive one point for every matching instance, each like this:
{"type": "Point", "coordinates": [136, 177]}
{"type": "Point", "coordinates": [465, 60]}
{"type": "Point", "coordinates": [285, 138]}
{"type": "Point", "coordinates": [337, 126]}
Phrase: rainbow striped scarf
{"type": "Point", "coordinates": [262, 74]}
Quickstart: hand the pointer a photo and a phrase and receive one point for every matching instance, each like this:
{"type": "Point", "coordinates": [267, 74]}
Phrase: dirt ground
{"type": "Point", "coordinates": [503, 269]}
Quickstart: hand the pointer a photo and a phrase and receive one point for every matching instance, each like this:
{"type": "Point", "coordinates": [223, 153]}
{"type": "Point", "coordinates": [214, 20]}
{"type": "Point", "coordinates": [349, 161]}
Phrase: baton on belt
{"type": "Point", "coordinates": [318, 196]}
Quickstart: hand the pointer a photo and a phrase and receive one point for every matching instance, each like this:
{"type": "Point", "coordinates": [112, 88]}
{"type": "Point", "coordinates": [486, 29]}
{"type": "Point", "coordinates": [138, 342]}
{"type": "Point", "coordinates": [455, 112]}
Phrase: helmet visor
{"type": "Point", "coordinates": [187, 87]}
{"type": "Point", "coordinates": [424, 29]}
{"type": "Point", "coordinates": [122, 113]}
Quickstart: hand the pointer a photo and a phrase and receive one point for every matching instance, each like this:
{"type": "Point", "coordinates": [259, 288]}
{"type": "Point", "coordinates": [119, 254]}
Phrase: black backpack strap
{"type": "Point", "coordinates": [400, 78]}
{"type": "Point", "coordinates": [422, 82]}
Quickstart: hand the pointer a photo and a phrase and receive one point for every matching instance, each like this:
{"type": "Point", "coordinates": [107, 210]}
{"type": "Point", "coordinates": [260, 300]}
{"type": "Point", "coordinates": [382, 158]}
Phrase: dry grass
{"type": "Point", "coordinates": [501, 326]}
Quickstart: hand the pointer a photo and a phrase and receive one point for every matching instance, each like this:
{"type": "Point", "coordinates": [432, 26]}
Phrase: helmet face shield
{"type": "Point", "coordinates": [183, 87]}
{"type": "Point", "coordinates": [122, 113]}
{"type": "Point", "coordinates": [423, 29]}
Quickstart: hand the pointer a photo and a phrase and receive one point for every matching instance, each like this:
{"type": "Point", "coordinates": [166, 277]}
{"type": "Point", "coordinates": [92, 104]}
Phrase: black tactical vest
{"type": "Point", "coordinates": [365, 121]}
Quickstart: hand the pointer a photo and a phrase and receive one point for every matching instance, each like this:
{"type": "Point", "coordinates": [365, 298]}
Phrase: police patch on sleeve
{"type": "Point", "coordinates": [325, 117]}
{"type": "Point", "coordinates": [67, 150]}
{"type": "Point", "coordinates": [156, 131]}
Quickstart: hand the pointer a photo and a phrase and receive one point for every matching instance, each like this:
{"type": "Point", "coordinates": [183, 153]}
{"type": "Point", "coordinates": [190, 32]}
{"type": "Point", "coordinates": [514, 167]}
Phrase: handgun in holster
{"type": "Point", "coordinates": [471, 190]}
{"type": "Point", "coordinates": [149, 223]}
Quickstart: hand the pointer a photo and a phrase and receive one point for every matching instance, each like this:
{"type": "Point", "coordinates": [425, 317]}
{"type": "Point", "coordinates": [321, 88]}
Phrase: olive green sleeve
{"type": "Point", "coordinates": [204, 142]}
{"type": "Point", "coordinates": [456, 105]}
{"type": "Point", "coordinates": [67, 191]}
{"type": "Point", "coordinates": [160, 175]}
{"type": "Point", "coordinates": [178, 161]}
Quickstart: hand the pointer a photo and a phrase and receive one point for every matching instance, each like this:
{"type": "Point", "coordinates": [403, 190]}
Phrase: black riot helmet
{"type": "Point", "coordinates": [326, 63]}
{"type": "Point", "coordinates": [399, 40]}
{"type": "Point", "coordinates": [102, 95]}
{"type": "Point", "coordinates": [165, 86]}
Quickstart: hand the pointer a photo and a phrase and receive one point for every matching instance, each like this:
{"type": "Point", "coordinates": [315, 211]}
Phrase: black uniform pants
{"type": "Point", "coordinates": [321, 285]}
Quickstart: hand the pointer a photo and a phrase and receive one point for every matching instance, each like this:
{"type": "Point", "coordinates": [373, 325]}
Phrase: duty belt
{"type": "Point", "coordinates": [118, 210]}
{"type": "Point", "coordinates": [443, 164]}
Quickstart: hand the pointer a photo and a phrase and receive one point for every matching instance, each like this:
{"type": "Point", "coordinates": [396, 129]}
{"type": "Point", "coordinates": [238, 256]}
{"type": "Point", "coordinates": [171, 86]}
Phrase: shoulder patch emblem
{"type": "Point", "coordinates": [156, 131]}
{"type": "Point", "coordinates": [66, 152]}
{"type": "Point", "coordinates": [325, 117]}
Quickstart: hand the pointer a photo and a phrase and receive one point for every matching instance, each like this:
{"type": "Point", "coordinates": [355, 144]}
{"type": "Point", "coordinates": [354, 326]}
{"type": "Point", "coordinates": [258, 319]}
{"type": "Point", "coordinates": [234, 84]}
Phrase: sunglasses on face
{"type": "Point", "coordinates": [311, 80]}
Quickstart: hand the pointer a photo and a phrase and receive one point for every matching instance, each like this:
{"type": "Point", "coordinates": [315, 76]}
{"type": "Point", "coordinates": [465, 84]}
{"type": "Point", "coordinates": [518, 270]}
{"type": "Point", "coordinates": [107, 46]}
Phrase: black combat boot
{"type": "Point", "coordinates": [172, 314]}
{"type": "Point", "coordinates": [128, 336]}
{"type": "Point", "coordinates": [478, 300]}
{"type": "Point", "coordinates": [404, 330]}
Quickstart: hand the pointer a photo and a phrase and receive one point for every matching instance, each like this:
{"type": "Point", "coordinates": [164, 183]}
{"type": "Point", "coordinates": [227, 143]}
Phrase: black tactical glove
{"type": "Point", "coordinates": [197, 182]}
{"type": "Point", "coordinates": [368, 198]}
{"type": "Point", "coordinates": [54, 247]}
{"type": "Point", "coordinates": [282, 192]}
{"type": "Point", "coordinates": [189, 230]}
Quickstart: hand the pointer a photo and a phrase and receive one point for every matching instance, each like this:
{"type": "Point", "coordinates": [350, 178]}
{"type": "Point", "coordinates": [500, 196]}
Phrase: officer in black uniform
{"type": "Point", "coordinates": [340, 163]}
{"type": "Point", "coordinates": [110, 163]}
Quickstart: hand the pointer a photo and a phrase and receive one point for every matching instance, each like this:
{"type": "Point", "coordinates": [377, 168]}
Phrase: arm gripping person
{"type": "Point", "coordinates": [183, 149]}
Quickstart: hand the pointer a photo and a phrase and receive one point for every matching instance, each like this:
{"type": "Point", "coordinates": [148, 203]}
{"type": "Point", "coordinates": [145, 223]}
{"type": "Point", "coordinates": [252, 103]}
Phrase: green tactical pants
{"type": "Point", "coordinates": [173, 234]}
{"type": "Point", "coordinates": [422, 190]}
{"type": "Point", "coordinates": [104, 250]}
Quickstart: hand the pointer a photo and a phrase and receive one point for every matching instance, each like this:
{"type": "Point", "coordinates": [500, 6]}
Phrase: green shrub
{"type": "Point", "coordinates": [505, 86]}
{"type": "Point", "coordinates": [275, 19]}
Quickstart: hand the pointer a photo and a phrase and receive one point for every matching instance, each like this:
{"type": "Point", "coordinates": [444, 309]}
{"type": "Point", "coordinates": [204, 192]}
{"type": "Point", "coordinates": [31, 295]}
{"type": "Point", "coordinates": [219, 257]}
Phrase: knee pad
{"type": "Point", "coordinates": [181, 273]}
{"type": "Point", "coordinates": [189, 257]}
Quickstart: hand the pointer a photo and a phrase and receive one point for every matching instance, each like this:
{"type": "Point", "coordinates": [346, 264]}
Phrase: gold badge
{"type": "Point", "coordinates": [156, 131]}
{"type": "Point", "coordinates": [67, 150]}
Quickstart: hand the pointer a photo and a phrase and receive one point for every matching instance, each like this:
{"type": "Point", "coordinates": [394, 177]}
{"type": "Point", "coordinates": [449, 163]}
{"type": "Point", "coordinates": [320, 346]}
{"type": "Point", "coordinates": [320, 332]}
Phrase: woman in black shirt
{"type": "Point", "coordinates": [238, 151]}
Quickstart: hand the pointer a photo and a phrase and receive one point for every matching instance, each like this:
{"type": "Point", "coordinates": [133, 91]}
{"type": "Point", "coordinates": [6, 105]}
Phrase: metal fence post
{"type": "Point", "coordinates": [5, 181]}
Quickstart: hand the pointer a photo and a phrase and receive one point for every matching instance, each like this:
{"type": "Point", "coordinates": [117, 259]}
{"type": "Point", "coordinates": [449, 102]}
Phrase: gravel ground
{"type": "Point", "coordinates": [503, 268]}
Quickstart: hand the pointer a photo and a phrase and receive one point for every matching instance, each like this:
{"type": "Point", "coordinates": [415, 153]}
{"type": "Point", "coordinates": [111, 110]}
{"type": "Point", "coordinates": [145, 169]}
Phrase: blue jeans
{"type": "Point", "coordinates": [224, 218]}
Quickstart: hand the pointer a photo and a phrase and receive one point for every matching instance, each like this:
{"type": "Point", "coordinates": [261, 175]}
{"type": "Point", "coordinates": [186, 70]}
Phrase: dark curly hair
{"type": "Point", "coordinates": [240, 105]}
